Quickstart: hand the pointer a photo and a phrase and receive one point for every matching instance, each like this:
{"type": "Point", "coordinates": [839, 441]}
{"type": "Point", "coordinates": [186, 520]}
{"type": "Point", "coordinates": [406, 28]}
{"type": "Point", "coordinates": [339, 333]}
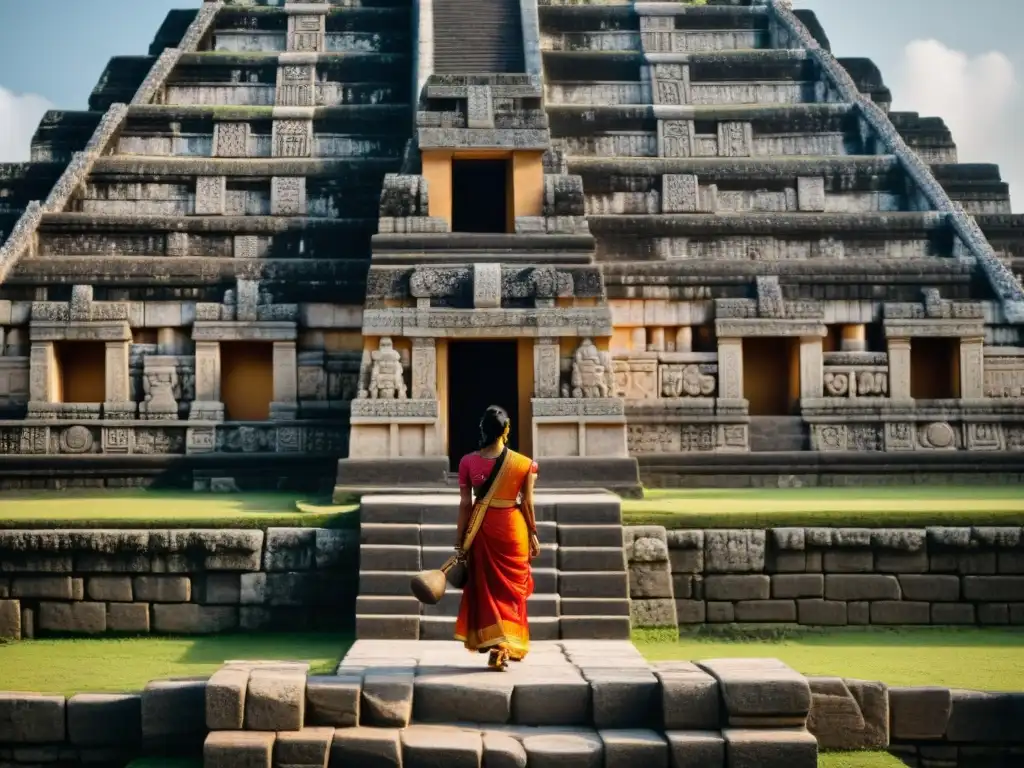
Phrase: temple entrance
{"type": "Point", "coordinates": [81, 371]}
{"type": "Point", "coordinates": [480, 195]}
{"type": "Point", "coordinates": [246, 380]}
{"type": "Point", "coordinates": [480, 374]}
{"type": "Point", "coordinates": [771, 376]}
{"type": "Point", "coordinates": [934, 368]}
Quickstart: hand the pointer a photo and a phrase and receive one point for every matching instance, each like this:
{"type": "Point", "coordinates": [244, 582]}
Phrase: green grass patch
{"type": "Point", "coordinates": [887, 506]}
{"type": "Point", "coordinates": [69, 666]}
{"type": "Point", "coordinates": [913, 657]}
{"type": "Point", "coordinates": [859, 760]}
{"type": "Point", "coordinates": [171, 509]}
{"type": "Point", "coordinates": [166, 762]}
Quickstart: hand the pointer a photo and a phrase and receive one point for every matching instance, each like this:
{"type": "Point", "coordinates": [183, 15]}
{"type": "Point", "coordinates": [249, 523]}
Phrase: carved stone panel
{"type": "Point", "coordinates": [679, 193]}
{"type": "Point", "coordinates": [293, 138]}
{"type": "Point", "coordinates": [685, 381]}
{"type": "Point", "coordinates": [246, 246]}
{"type": "Point", "coordinates": [592, 372]}
{"type": "Point", "coordinates": [735, 139]}
{"type": "Point", "coordinates": [81, 303]}
{"type": "Point", "coordinates": [288, 196]}
{"type": "Point", "coordinates": [231, 140]}
{"type": "Point", "coordinates": [306, 33]}
{"type": "Point", "coordinates": [675, 138]}
{"type": "Point", "coordinates": [295, 85]}
{"type": "Point", "coordinates": [387, 374]}
{"type": "Point", "coordinates": [480, 107]}
{"type": "Point", "coordinates": [770, 303]}
{"type": "Point", "coordinates": [424, 369]}
{"type": "Point", "coordinates": [671, 84]}
{"type": "Point", "coordinates": [487, 286]}
{"type": "Point", "coordinates": [211, 194]}
{"type": "Point", "coordinates": [1004, 377]}
{"type": "Point", "coordinates": [810, 194]}
{"type": "Point", "coordinates": [547, 374]}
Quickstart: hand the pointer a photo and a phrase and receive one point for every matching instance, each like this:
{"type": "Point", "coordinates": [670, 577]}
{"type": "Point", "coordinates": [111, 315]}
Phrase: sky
{"type": "Point", "coordinates": [962, 61]}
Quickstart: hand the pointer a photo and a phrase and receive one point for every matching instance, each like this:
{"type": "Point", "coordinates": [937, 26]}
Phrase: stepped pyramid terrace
{"type": "Point", "coordinates": [679, 242]}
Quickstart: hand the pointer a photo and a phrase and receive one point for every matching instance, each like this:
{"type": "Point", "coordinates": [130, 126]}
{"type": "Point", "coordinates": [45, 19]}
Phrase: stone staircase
{"type": "Point", "coordinates": [778, 433]}
{"type": "Point", "coordinates": [571, 703]}
{"type": "Point", "coordinates": [580, 579]}
{"type": "Point", "coordinates": [477, 37]}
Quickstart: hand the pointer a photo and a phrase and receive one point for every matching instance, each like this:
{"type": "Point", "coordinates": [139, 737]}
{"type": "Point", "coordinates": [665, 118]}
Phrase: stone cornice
{"type": "Point", "coordinates": [759, 327]}
{"type": "Point", "coordinates": [190, 167]}
{"type": "Point", "coordinates": [227, 330]}
{"type": "Point", "coordinates": [488, 323]}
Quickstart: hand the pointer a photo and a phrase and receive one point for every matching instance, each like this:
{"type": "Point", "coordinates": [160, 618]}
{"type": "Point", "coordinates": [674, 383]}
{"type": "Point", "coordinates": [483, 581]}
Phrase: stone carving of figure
{"type": "Point", "coordinates": [387, 377]}
{"type": "Point", "coordinates": [590, 372]}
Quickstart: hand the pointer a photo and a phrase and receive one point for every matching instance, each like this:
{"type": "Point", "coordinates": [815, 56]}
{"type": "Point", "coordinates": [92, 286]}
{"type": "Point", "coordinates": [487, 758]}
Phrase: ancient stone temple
{"type": "Point", "coordinates": [665, 231]}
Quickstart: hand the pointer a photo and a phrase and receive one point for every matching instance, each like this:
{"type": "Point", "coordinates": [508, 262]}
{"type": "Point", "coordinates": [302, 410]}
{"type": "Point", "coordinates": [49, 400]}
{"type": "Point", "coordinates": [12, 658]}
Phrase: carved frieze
{"type": "Point", "coordinates": [671, 84]}
{"type": "Point", "coordinates": [1004, 377]}
{"type": "Point", "coordinates": [676, 138]}
{"type": "Point", "coordinates": [231, 139]}
{"type": "Point", "coordinates": [404, 196]}
{"type": "Point", "coordinates": [211, 195]}
{"type": "Point", "coordinates": [306, 33]}
{"type": "Point", "coordinates": [685, 381]}
{"type": "Point", "coordinates": [424, 369]}
{"type": "Point", "coordinates": [293, 138]}
{"type": "Point", "coordinates": [288, 196]}
{"type": "Point", "coordinates": [295, 85]}
{"type": "Point", "coordinates": [735, 139]}
{"type": "Point", "coordinates": [856, 382]}
{"type": "Point", "coordinates": [680, 193]}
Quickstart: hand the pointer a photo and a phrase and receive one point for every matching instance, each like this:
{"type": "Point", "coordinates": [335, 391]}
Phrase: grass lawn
{"type": "Point", "coordinates": [912, 505]}
{"type": "Point", "coordinates": [898, 657]}
{"type": "Point", "coordinates": [859, 760]}
{"type": "Point", "coordinates": [67, 666]}
{"type": "Point", "coordinates": [169, 509]}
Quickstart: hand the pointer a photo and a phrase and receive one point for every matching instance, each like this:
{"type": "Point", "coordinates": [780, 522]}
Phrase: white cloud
{"type": "Point", "coordinates": [974, 95]}
{"type": "Point", "coordinates": [19, 117]}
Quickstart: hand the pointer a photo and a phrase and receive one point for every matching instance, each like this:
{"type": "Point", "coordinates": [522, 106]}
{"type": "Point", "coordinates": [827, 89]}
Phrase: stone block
{"type": "Point", "coordinates": [252, 588]}
{"type": "Point", "coordinates": [653, 613]}
{"type": "Point", "coordinates": [73, 618]}
{"type": "Point", "coordinates": [686, 560]}
{"type": "Point", "coordinates": [390, 557]}
{"type": "Point", "coordinates": [690, 611]}
{"type": "Point", "coordinates": [162, 589]}
{"type": "Point", "coordinates": [308, 748]}
{"type": "Point", "coordinates": [901, 562]}
{"type": "Point", "coordinates": [43, 587]}
{"type": "Point", "coordinates": [333, 700]}
{"type": "Point", "coordinates": [738, 551]}
{"type": "Point", "coordinates": [848, 715]}
{"type": "Point", "coordinates": [387, 699]}
{"type": "Point", "coordinates": [586, 536]}
{"type": "Point", "coordinates": [104, 719]}
{"type": "Point", "coordinates": [503, 751]}
{"type": "Point", "coordinates": [976, 563]}
{"type": "Point", "coordinates": [765, 611]}
{"type": "Point", "coordinates": [933, 588]}
{"type": "Point", "coordinates": [174, 710]}
{"type": "Point", "coordinates": [238, 749]}
{"type": "Point", "coordinates": [225, 699]}
{"type": "Point", "coordinates": [629, 748]}
{"type": "Point", "coordinates": [650, 580]}
{"type": "Point", "coordinates": [193, 619]}
{"type": "Point", "coordinates": [31, 718]}
{"type": "Point", "coordinates": [789, 586]}
{"type": "Point", "coordinates": [760, 692]}
{"type": "Point", "coordinates": [993, 589]}
{"type": "Point", "coordinates": [591, 558]}
{"type": "Point", "coordinates": [564, 750]}
{"type": "Point", "coordinates": [443, 697]}
{"type": "Point", "coordinates": [858, 613]}
{"type": "Point", "coordinates": [979, 718]}
{"type": "Point", "coordinates": [428, 746]}
{"type": "Point", "coordinates": [953, 613]}
{"type": "Point", "coordinates": [623, 698]}
{"type": "Point", "coordinates": [219, 589]}
{"type": "Point", "coordinates": [792, 562]}
{"type": "Point", "coordinates": [556, 699]}
{"type": "Point", "coordinates": [128, 618]}
{"type": "Point", "coordinates": [275, 700]}
{"type": "Point", "coordinates": [861, 587]}
{"type": "Point", "coordinates": [900, 612]}
{"type": "Point", "coordinates": [823, 613]}
{"type": "Point", "coordinates": [109, 589]}
{"type": "Point", "coordinates": [593, 584]}
{"type": "Point", "coordinates": [696, 749]}
{"type": "Point", "coordinates": [919, 714]}
{"type": "Point", "coordinates": [367, 747]}
{"type": "Point", "coordinates": [720, 613]}
{"type": "Point", "coordinates": [28, 623]}
{"type": "Point", "coordinates": [731, 588]}
{"type": "Point", "coordinates": [846, 561]}
{"type": "Point", "coordinates": [689, 697]}
{"type": "Point", "coordinates": [291, 589]}
{"type": "Point", "coordinates": [770, 748]}
{"type": "Point", "coordinates": [988, 614]}
{"type": "Point", "coordinates": [10, 620]}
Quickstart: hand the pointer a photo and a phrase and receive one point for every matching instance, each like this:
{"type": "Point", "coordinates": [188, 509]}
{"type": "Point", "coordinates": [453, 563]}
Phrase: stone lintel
{"type": "Point", "coordinates": [226, 330]}
{"type": "Point", "coordinates": [474, 138]}
{"type": "Point", "coordinates": [307, 9]}
{"type": "Point", "coordinates": [741, 327]}
{"type": "Point", "coordinates": [561, 408]}
{"type": "Point", "coordinates": [80, 330]}
{"type": "Point", "coordinates": [498, 91]}
{"type": "Point", "coordinates": [905, 329]}
{"type": "Point", "coordinates": [390, 410]}
{"type": "Point", "coordinates": [493, 323]}
{"type": "Point", "coordinates": [679, 9]}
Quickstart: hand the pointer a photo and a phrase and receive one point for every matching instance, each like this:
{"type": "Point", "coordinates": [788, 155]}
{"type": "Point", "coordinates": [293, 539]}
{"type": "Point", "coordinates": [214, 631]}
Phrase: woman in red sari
{"type": "Point", "coordinates": [497, 533]}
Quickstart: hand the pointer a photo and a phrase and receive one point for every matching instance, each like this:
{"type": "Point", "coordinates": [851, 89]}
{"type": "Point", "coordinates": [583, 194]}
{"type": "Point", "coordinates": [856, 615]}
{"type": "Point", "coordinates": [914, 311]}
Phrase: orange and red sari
{"type": "Point", "coordinates": [497, 545]}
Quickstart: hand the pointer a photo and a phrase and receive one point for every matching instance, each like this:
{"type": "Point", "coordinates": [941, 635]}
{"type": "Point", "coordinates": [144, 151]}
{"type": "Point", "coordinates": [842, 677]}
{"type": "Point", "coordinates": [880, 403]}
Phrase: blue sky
{"type": "Point", "coordinates": [963, 61]}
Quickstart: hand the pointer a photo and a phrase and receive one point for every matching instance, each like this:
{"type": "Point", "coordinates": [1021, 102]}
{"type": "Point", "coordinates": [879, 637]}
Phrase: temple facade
{"type": "Point", "coordinates": [343, 229]}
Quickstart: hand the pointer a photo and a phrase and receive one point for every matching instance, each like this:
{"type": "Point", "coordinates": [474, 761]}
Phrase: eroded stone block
{"type": "Point", "coordinates": [444, 697]}
{"type": "Point", "coordinates": [849, 714]}
{"type": "Point", "coordinates": [162, 589]}
{"type": "Point", "coordinates": [333, 700]}
{"type": "Point", "coordinates": [696, 749]}
{"type": "Point", "coordinates": [367, 747]}
{"type": "Point", "coordinates": [128, 618]}
{"type": "Point", "coordinates": [919, 714]}
{"type": "Point", "coordinates": [761, 692]}
{"type": "Point", "coordinates": [275, 699]}
{"type": "Point", "coordinates": [689, 695]}
{"type": "Point", "coordinates": [104, 719]}
{"type": "Point", "coordinates": [193, 619]}
{"type": "Point", "coordinates": [174, 709]}
{"type": "Point", "coordinates": [503, 751]}
{"type": "Point", "coordinates": [562, 750]}
{"type": "Point", "coordinates": [547, 699]}
{"type": "Point", "coordinates": [308, 748]}
{"type": "Point", "coordinates": [770, 748]}
{"type": "Point", "coordinates": [739, 551]}
{"type": "Point", "coordinates": [238, 749]}
{"type": "Point", "coordinates": [387, 698]}
{"type": "Point", "coordinates": [10, 620]}
{"type": "Point", "coordinates": [225, 699]}
{"type": "Point", "coordinates": [73, 618]}
{"type": "Point", "coordinates": [425, 746]}
{"type": "Point", "coordinates": [632, 748]}
{"type": "Point", "coordinates": [31, 718]}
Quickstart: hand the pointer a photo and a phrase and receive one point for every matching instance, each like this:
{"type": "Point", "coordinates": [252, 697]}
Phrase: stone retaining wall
{"type": "Point", "coordinates": [94, 582]}
{"type": "Point", "coordinates": [832, 576]}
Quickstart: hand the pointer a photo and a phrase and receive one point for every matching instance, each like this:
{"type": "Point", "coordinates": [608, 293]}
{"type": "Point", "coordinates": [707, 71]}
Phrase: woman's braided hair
{"type": "Point", "coordinates": [493, 424]}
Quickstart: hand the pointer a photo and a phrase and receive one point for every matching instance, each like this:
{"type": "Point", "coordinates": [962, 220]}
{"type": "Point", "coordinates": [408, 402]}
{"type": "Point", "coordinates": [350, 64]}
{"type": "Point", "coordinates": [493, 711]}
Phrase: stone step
{"type": "Point", "coordinates": [537, 605]}
{"type": "Point", "coordinates": [590, 536]}
{"type": "Point", "coordinates": [593, 584]}
{"type": "Point", "coordinates": [542, 628]}
{"type": "Point", "coordinates": [593, 606]}
{"type": "Point", "coordinates": [394, 627]}
{"type": "Point", "coordinates": [595, 627]}
{"type": "Point", "coordinates": [591, 559]}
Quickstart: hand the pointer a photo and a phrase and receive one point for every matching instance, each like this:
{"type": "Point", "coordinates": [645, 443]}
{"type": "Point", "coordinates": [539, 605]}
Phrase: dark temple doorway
{"type": "Point", "coordinates": [480, 374]}
{"type": "Point", "coordinates": [480, 195]}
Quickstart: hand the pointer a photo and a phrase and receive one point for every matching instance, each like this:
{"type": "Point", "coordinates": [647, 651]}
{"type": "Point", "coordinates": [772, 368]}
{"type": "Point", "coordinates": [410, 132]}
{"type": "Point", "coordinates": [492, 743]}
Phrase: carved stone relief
{"type": "Point", "coordinates": [480, 107]}
{"type": "Point", "coordinates": [810, 193]}
{"type": "Point", "coordinates": [679, 193]}
{"type": "Point", "coordinates": [288, 196]}
{"type": "Point", "coordinates": [211, 194]}
{"type": "Point", "coordinates": [671, 84]}
{"type": "Point", "coordinates": [293, 138]}
{"type": "Point", "coordinates": [863, 382]}
{"type": "Point", "coordinates": [387, 375]}
{"type": "Point", "coordinates": [295, 85]}
{"type": "Point", "coordinates": [1004, 377]}
{"type": "Point", "coordinates": [547, 375]}
{"type": "Point", "coordinates": [592, 374]}
{"type": "Point", "coordinates": [424, 369]}
{"type": "Point", "coordinates": [686, 381]}
{"type": "Point", "coordinates": [306, 33]}
{"type": "Point", "coordinates": [231, 140]}
{"type": "Point", "coordinates": [735, 139]}
{"type": "Point", "coordinates": [675, 138]}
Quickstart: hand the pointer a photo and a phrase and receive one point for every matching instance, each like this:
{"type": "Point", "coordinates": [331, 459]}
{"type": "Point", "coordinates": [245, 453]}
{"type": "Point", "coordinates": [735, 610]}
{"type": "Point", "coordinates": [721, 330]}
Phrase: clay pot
{"type": "Point", "coordinates": [429, 586]}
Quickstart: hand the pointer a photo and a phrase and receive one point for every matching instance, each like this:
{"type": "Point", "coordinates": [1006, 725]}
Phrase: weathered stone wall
{"type": "Point", "coordinates": [95, 582]}
{"type": "Point", "coordinates": [839, 576]}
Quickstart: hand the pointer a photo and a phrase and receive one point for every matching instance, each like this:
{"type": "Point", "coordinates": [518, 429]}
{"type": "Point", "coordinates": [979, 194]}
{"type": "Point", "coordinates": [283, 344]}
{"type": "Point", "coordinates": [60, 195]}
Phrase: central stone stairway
{"type": "Point", "coordinates": [581, 585]}
{"type": "Point", "coordinates": [569, 704]}
{"type": "Point", "coordinates": [478, 36]}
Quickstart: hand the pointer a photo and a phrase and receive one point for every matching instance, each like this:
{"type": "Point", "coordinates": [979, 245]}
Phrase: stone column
{"type": "Point", "coordinates": [638, 339]}
{"type": "Point", "coordinates": [684, 339]}
{"type": "Point", "coordinates": [41, 370]}
{"type": "Point", "coordinates": [854, 338]}
{"type": "Point", "coordinates": [657, 340]}
{"type": "Point", "coordinates": [899, 369]}
{"type": "Point", "coordinates": [285, 372]}
{"type": "Point", "coordinates": [972, 368]}
{"type": "Point", "coordinates": [547, 368]}
{"type": "Point", "coordinates": [208, 371]}
{"type": "Point", "coordinates": [424, 369]}
{"type": "Point", "coordinates": [117, 372]}
{"type": "Point", "coordinates": [811, 367]}
{"type": "Point", "coordinates": [730, 369]}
